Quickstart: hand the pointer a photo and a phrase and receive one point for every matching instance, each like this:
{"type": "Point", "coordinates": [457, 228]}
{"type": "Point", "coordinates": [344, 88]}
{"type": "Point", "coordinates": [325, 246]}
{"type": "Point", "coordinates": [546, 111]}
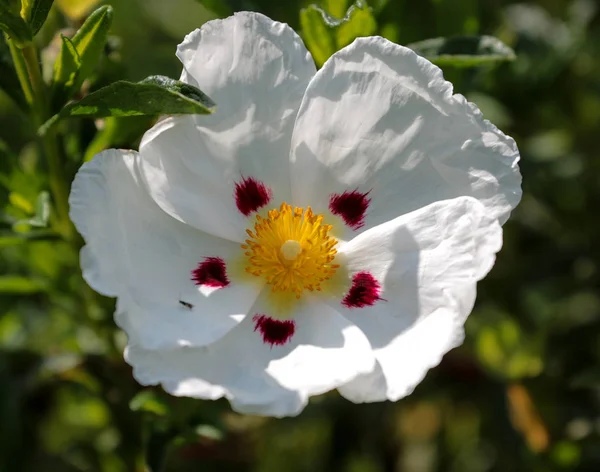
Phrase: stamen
{"type": "Point", "coordinates": [211, 273]}
{"type": "Point", "coordinates": [364, 292]}
{"type": "Point", "coordinates": [351, 207]}
{"type": "Point", "coordinates": [291, 249]}
{"type": "Point", "coordinates": [274, 332]}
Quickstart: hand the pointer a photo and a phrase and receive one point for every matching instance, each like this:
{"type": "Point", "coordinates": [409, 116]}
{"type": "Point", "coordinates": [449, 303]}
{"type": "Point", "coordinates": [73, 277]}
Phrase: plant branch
{"type": "Point", "coordinates": [35, 89]}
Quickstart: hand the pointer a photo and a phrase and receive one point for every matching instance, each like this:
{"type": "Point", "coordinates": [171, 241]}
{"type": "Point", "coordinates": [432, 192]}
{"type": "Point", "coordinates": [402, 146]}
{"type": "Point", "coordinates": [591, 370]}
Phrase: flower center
{"type": "Point", "coordinates": [291, 249]}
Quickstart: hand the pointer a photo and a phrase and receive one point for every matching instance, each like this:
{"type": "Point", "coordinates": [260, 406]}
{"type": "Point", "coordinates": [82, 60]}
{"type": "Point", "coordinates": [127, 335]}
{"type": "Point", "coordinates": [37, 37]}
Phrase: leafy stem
{"type": "Point", "coordinates": [35, 90]}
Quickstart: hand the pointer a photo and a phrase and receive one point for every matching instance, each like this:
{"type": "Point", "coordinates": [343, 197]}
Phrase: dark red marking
{"type": "Point", "coordinates": [250, 195]}
{"type": "Point", "coordinates": [274, 332]}
{"type": "Point", "coordinates": [364, 292]}
{"type": "Point", "coordinates": [351, 206]}
{"type": "Point", "coordinates": [211, 272]}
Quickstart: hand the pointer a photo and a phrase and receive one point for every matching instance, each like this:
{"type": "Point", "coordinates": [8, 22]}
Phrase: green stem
{"type": "Point", "coordinates": [35, 79]}
{"type": "Point", "coordinates": [58, 186]}
{"type": "Point", "coordinates": [21, 69]}
{"type": "Point", "coordinates": [34, 83]}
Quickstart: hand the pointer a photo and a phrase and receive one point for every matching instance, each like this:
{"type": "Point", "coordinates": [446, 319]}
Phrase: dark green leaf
{"type": "Point", "coordinates": [14, 26]}
{"type": "Point", "coordinates": [463, 51]}
{"type": "Point", "coordinates": [153, 96]}
{"type": "Point", "coordinates": [324, 34]}
{"type": "Point", "coordinates": [37, 12]}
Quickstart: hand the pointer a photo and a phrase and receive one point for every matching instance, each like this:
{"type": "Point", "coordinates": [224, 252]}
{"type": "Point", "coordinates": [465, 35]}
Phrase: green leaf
{"type": "Point", "coordinates": [324, 34]}
{"type": "Point", "coordinates": [19, 285]}
{"type": "Point", "coordinates": [463, 51]}
{"type": "Point", "coordinates": [66, 70]}
{"type": "Point", "coordinates": [14, 26]}
{"type": "Point", "coordinates": [153, 96]}
{"type": "Point", "coordinates": [37, 12]}
{"type": "Point", "coordinates": [336, 8]}
{"type": "Point", "coordinates": [89, 43]}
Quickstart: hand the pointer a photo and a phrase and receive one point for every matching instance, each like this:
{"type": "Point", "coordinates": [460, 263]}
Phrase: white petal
{"type": "Point", "coordinates": [139, 253]}
{"type": "Point", "coordinates": [428, 263]}
{"type": "Point", "coordinates": [378, 117]}
{"type": "Point", "coordinates": [405, 352]}
{"type": "Point", "coordinates": [325, 352]}
{"type": "Point", "coordinates": [256, 71]}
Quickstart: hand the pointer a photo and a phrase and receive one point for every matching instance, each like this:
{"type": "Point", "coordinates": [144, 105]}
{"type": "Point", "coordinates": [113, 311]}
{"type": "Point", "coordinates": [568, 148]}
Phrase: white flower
{"type": "Point", "coordinates": [321, 230]}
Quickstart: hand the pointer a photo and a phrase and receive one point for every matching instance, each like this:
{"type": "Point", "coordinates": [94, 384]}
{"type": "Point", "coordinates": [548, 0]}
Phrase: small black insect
{"type": "Point", "coordinates": [189, 306]}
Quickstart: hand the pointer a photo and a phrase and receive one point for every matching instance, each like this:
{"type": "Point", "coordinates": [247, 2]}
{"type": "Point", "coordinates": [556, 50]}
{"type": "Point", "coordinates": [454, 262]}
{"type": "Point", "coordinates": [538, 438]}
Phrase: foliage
{"type": "Point", "coordinates": [520, 395]}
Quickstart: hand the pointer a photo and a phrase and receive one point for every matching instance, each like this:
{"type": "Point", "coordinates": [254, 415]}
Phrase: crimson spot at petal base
{"type": "Point", "coordinates": [211, 273]}
{"type": "Point", "coordinates": [274, 332]}
{"type": "Point", "coordinates": [351, 206]}
{"type": "Point", "coordinates": [364, 292]}
{"type": "Point", "coordinates": [250, 195]}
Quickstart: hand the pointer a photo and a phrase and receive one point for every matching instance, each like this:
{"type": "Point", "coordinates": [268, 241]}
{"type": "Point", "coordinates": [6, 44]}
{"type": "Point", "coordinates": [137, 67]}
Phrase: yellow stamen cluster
{"type": "Point", "coordinates": [291, 249]}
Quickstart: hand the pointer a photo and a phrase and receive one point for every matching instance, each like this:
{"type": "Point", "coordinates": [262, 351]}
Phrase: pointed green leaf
{"type": "Point", "coordinates": [324, 34]}
{"type": "Point", "coordinates": [153, 96]}
{"type": "Point", "coordinates": [14, 26]}
{"type": "Point", "coordinates": [66, 70]}
{"type": "Point", "coordinates": [36, 12]}
{"type": "Point", "coordinates": [316, 34]}
{"type": "Point", "coordinates": [463, 51]}
{"type": "Point", "coordinates": [89, 42]}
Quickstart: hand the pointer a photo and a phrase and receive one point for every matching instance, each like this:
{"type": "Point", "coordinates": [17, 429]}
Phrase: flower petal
{"type": "Point", "coordinates": [256, 71]}
{"type": "Point", "coordinates": [325, 351]}
{"type": "Point", "coordinates": [403, 359]}
{"type": "Point", "coordinates": [139, 253]}
{"type": "Point", "coordinates": [428, 263]}
{"type": "Point", "coordinates": [378, 118]}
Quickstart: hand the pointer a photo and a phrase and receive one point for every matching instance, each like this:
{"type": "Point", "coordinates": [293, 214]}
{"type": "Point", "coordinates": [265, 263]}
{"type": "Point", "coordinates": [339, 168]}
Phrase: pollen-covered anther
{"type": "Point", "coordinates": [211, 272]}
{"type": "Point", "coordinates": [351, 207]}
{"type": "Point", "coordinates": [251, 195]}
{"type": "Point", "coordinates": [365, 291]}
{"type": "Point", "coordinates": [273, 331]}
{"type": "Point", "coordinates": [291, 249]}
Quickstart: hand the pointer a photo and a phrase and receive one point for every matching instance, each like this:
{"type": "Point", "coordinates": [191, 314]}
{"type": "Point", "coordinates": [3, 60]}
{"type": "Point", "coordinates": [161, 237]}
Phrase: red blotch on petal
{"type": "Point", "coordinates": [351, 207]}
{"type": "Point", "coordinates": [250, 195]}
{"type": "Point", "coordinates": [364, 292]}
{"type": "Point", "coordinates": [274, 332]}
{"type": "Point", "coordinates": [211, 272]}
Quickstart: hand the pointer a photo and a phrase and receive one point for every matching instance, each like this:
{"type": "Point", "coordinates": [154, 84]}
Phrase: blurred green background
{"type": "Point", "coordinates": [522, 394]}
